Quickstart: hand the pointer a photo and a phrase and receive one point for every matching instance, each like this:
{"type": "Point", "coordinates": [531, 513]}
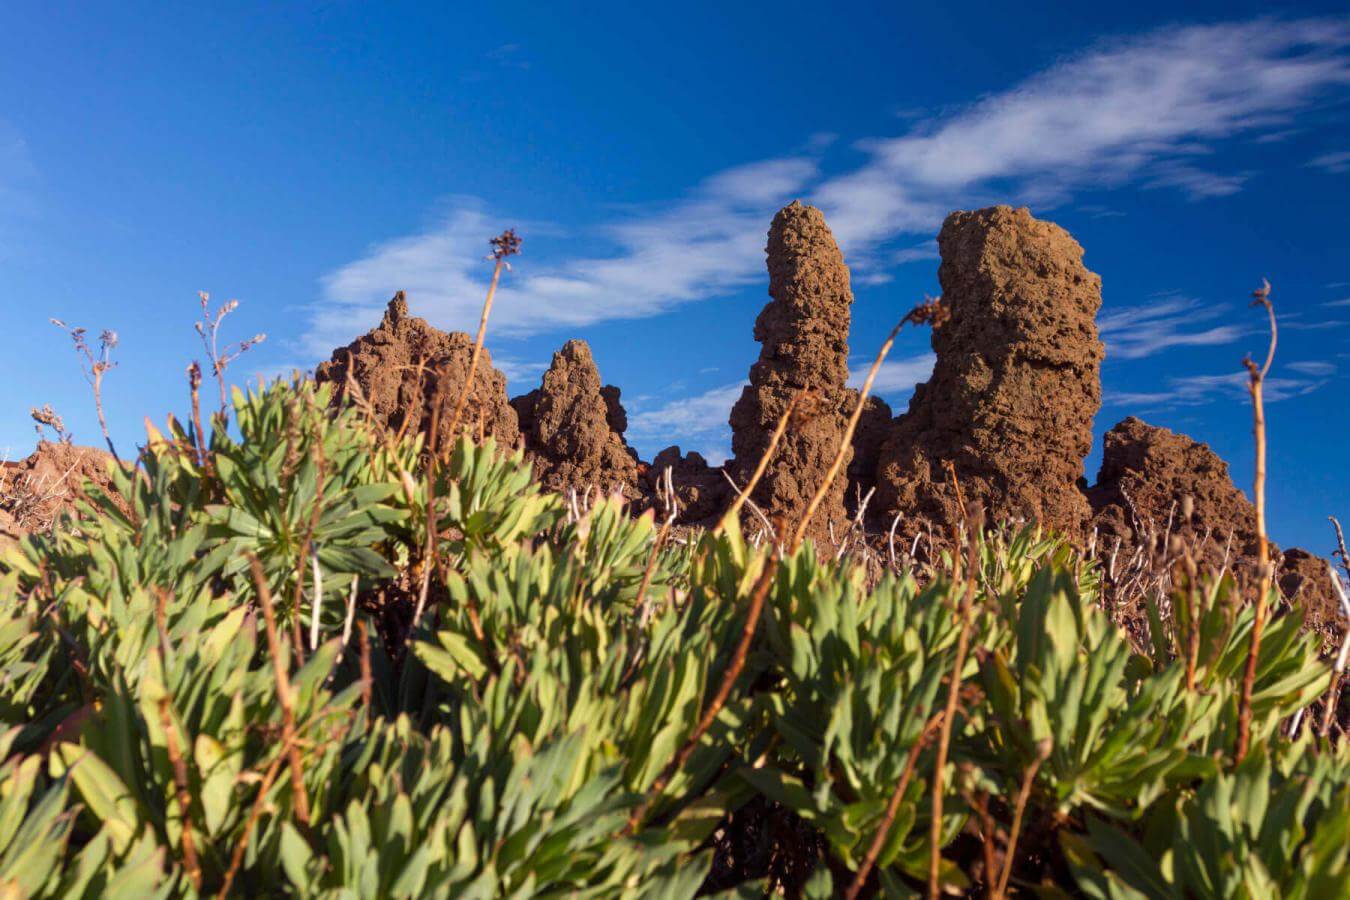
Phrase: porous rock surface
{"type": "Point", "coordinates": [1015, 385]}
{"type": "Point", "coordinates": [874, 425]}
{"type": "Point", "coordinates": [573, 428]}
{"type": "Point", "coordinates": [36, 490]}
{"type": "Point", "coordinates": [405, 366]}
{"type": "Point", "coordinates": [702, 492]}
{"type": "Point", "coordinates": [804, 333]}
{"type": "Point", "coordinates": [1155, 484]}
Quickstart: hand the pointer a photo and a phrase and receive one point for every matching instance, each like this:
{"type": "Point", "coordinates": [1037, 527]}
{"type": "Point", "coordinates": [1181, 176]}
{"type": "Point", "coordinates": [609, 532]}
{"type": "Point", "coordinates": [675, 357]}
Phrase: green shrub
{"type": "Point", "coordinates": [304, 660]}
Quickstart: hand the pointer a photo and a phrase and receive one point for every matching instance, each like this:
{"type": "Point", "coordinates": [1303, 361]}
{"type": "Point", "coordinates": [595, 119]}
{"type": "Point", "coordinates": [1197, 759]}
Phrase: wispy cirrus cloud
{"type": "Point", "coordinates": [1197, 390]}
{"type": "Point", "coordinates": [699, 422]}
{"type": "Point", "coordinates": [1143, 111]}
{"type": "Point", "coordinates": [1137, 108]}
{"type": "Point", "coordinates": [698, 247]}
{"type": "Point", "coordinates": [896, 377]}
{"type": "Point", "coordinates": [1140, 331]}
{"type": "Point", "coordinates": [1336, 163]}
{"type": "Point", "coordinates": [1316, 367]}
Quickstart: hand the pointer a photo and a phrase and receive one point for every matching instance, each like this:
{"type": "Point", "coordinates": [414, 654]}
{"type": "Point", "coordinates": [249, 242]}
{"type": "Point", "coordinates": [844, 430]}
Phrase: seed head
{"type": "Point", "coordinates": [505, 244]}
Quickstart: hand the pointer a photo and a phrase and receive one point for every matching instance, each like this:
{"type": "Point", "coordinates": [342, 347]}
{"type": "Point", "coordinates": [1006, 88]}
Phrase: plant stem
{"type": "Point", "coordinates": [1254, 386]}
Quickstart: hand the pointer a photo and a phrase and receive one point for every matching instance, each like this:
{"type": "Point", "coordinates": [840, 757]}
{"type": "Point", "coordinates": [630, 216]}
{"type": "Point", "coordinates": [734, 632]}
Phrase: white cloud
{"type": "Point", "coordinates": [1115, 112]}
{"type": "Point", "coordinates": [896, 376]}
{"type": "Point", "coordinates": [1312, 367]}
{"type": "Point", "coordinates": [1197, 390]}
{"type": "Point", "coordinates": [1140, 331]}
{"type": "Point", "coordinates": [708, 244]}
{"type": "Point", "coordinates": [700, 422]}
{"type": "Point", "coordinates": [1343, 302]}
{"type": "Point", "coordinates": [1143, 110]}
{"type": "Point", "coordinates": [521, 376]}
{"type": "Point", "coordinates": [1336, 163]}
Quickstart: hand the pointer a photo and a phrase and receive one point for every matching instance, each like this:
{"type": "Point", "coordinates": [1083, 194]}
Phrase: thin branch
{"type": "Point", "coordinates": [892, 808]}
{"type": "Point", "coordinates": [283, 691]}
{"type": "Point", "coordinates": [1254, 386]}
{"type": "Point", "coordinates": [733, 672]}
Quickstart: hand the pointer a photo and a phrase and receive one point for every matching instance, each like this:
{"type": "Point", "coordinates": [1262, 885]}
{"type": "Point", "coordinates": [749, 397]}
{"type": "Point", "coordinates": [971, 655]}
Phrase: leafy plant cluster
{"type": "Point", "coordinates": [304, 658]}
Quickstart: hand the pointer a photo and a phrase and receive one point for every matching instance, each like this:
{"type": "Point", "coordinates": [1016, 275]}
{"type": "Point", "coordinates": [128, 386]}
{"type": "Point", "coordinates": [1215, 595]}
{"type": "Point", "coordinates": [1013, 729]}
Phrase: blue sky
{"type": "Point", "coordinates": [311, 160]}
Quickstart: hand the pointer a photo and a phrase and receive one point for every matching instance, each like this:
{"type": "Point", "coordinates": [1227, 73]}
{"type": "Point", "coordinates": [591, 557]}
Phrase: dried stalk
{"type": "Point", "coordinates": [1043, 750]}
{"type": "Point", "coordinates": [734, 510]}
{"type": "Point", "coordinates": [505, 244]}
{"type": "Point", "coordinates": [733, 672]}
{"type": "Point", "coordinates": [892, 808]}
{"type": "Point", "coordinates": [283, 691]}
{"type": "Point", "coordinates": [928, 311]}
{"type": "Point", "coordinates": [1254, 386]}
{"type": "Point", "coordinates": [945, 732]}
{"type": "Point", "coordinates": [237, 857]}
{"type": "Point", "coordinates": [180, 782]}
{"type": "Point", "coordinates": [1342, 658]}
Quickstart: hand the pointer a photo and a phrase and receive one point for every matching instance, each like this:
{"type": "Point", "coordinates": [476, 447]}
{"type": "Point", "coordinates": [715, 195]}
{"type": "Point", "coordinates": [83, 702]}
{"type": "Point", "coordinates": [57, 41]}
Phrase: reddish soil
{"type": "Point", "coordinates": [35, 491]}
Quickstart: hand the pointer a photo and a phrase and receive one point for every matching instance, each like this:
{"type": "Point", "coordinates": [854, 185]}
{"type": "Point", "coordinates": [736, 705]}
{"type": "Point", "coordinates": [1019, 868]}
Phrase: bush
{"type": "Point", "coordinates": [305, 661]}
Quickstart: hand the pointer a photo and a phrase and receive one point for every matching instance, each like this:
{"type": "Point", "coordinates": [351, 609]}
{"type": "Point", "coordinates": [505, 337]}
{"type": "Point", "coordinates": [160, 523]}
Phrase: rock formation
{"type": "Point", "coordinates": [873, 427]}
{"type": "Point", "coordinates": [1154, 483]}
{"type": "Point", "coordinates": [573, 428]}
{"type": "Point", "coordinates": [701, 491]}
{"type": "Point", "coordinates": [35, 491]}
{"type": "Point", "coordinates": [1146, 474]}
{"type": "Point", "coordinates": [405, 366]}
{"type": "Point", "coordinates": [804, 332]}
{"type": "Point", "coordinates": [1015, 385]}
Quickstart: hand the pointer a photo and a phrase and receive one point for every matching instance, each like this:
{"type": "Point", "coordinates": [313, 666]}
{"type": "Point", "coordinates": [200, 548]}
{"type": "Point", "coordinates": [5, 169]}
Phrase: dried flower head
{"type": "Point", "coordinates": [505, 244]}
{"type": "Point", "coordinates": [48, 417]}
{"type": "Point", "coordinates": [930, 312]}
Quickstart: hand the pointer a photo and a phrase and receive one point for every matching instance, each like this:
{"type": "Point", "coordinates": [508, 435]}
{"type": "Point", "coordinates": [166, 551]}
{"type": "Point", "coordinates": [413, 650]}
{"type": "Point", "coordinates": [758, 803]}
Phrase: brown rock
{"type": "Point", "coordinates": [1305, 581]}
{"type": "Point", "coordinates": [385, 362]}
{"type": "Point", "coordinates": [701, 490]}
{"type": "Point", "coordinates": [570, 428]}
{"type": "Point", "coordinates": [1015, 385]}
{"type": "Point", "coordinates": [1155, 483]}
{"type": "Point", "coordinates": [1146, 476]}
{"type": "Point", "coordinates": [804, 332]}
{"type": "Point", "coordinates": [874, 425]}
{"type": "Point", "coordinates": [35, 491]}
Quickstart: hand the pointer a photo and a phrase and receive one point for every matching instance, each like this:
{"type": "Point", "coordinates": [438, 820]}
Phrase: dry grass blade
{"type": "Point", "coordinates": [734, 510]}
{"type": "Point", "coordinates": [892, 808]}
{"type": "Point", "coordinates": [283, 680]}
{"type": "Point", "coordinates": [757, 597]}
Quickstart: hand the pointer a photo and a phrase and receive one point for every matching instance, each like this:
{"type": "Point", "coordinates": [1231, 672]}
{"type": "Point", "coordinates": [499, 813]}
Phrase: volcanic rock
{"type": "Point", "coordinates": [573, 428]}
{"type": "Point", "coordinates": [804, 333]}
{"type": "Point", "coordinates": [1155, 484]}
{"type": "Point", "coordinates": [1015, 385]}
{"type": "Point", "coordinates": [1146, 474]}
{"type": "Point", "coordinates": [35, 491]}
{"type": "Point", "coordinates": [701, 491]}
{"type": "Point", "coordinates": [405, 366]}
{"type": "Point", "coordinates": [873, 427]}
